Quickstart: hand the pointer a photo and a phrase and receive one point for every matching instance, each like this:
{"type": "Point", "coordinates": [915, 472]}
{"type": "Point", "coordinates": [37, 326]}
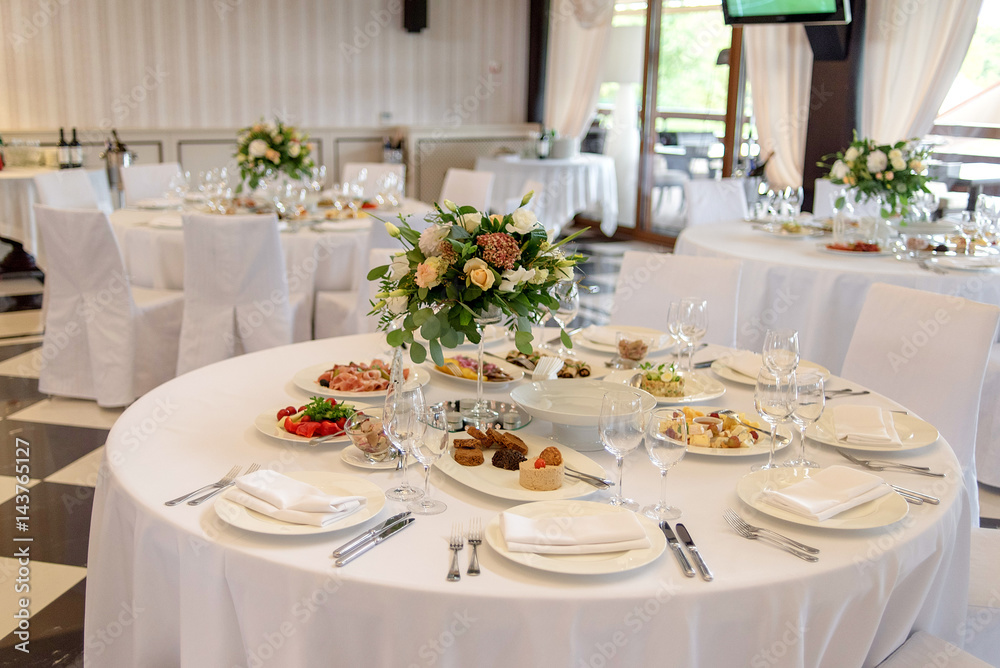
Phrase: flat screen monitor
{"type": "Point", "coordinates": [787, 11]}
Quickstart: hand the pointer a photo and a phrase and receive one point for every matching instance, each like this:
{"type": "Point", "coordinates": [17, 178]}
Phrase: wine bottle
{"type": "Point", "coordinates": [63, 151]}
{"type": "Point", "coordinates": [75, 151]}
{"type": "Point", "coordinates": [1, 154]}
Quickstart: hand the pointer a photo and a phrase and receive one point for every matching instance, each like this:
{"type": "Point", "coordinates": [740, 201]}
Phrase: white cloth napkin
{"type": "Point", "coordinates": [547, 370]}
{"type": "Point", "coordinates": [589, 534]}
{"type": "Point", "coordinates": [865, 425]}
{"type": "Point", "coordinates": [828, 492]}
{"type": "Point", "coordinates": [283, 498]}
{"type": "Point", "coordinates": [744, 362]}
{"type": "Point", "coordinates": [608, 336]}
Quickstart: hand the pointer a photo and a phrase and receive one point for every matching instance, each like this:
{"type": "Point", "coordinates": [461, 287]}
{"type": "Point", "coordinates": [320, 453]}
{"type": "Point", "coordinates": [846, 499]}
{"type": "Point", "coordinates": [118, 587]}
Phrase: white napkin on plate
{"type": "Point", "coordinates": [608, 336]}
{"type": "Point", "coordinates": [828, 492]}
{"type": "Point", "coordinates": [744, 362]}
{"type": "Point", "coordinates": [282, 498]}
{"type": "Point", "coordinates": [865, 425]}
{"type": "Point", "coordinates": [589, 534]}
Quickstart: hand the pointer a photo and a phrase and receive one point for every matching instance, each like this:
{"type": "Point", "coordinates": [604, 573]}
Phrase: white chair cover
{"type": "Point", "coordinates": [982, 624]}
{"type": "Point", "coordinates": [823, 197]}
{"type": "Point", "coordinates": [648, 282]}
{"type": "Point", "coordinates": [928, 352]}
{"type": "Point", "coordinates": [988, 430]}
{"type": "Point", "coordinates": [67, 189]}
{"type": "Point", "coordinates": [711, 201]}
{"type": "Point", "coordinates": [530, 185]}
{"type": "Point", "coordinates": [466, 187]}
{"type": "Point", "coordinates": [103, 339]}
{"type": "Point", "coordinates": [923, 649]}
{"type": "Point", "coordinates": [235, 289]}
{"type": "Point", "coordinates": [376, 258]}
{"type": "Point", "coordinates": [375, 170]}
{"type": "Point", "coordinates": [342, 309]}
{"type": "Point", "coordinates": [145, 181]}
{"type": "Point", "coordinates": [99, 181]}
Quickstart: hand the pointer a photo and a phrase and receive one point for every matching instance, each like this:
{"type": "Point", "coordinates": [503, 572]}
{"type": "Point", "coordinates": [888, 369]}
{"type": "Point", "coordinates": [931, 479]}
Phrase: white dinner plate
{"type": "Point", "coordinates": [306, 379]}
{"type": "Point", "coordinates": [776, 230]}
{"type": "Point", "coordinates": [879, 512]}
{"type": "Point", "coordinates": [662, 340]}
{"type": "Point", "coordinates": [570, 401]}
{"type": "Point", "coordinates": [268, 425]}
{"type": "Point", "coordinates": [821, 247]}
{"type": "Point", "coordinates": [967, 262]}
{"type": "Point", "coordinates": [913, 432]}
{"type": "Point", "coordinates": [578, 564]}
{"type": "Point", "coordinates": [515, 372]}
{"type": "Point", "coordinates": [353, 456]}
{"type": "Point", "coordinates": [699, 387]}
{"type": "Point", "coordinates": [504, 484]}
{"type": "Point", "coordinates": [340, 484]}
{"type": "Point", "coordinates": [728, 373]}
{"type": "Point", "coordinates": [761, 447]}
{"type": "Point", "coordinates": [157, 203]}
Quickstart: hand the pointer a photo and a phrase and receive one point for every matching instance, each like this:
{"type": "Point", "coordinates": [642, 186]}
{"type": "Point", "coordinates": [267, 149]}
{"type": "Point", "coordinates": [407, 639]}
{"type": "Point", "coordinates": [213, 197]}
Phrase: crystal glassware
{"type": "Point", "coordinates": [810, 400]}
{"type": "Point", "coordinates": [429, 444]}
{"type": "Point", "coordinates": [774, 399]}
{"type": "Point", "coordinates": [693, 325]}
{"type": "Point", "coordinates": [401, 418]}
{"type": "Point", "coordinates": [480, 414]}
{"type": "Point", "coordinates": [666, 443]}
{"type": "Point", "coordinates": [620, 425]}
{"type": "Point", "coordinates": [569, 306]}
{"type": "Point", "coordinates": [674, 329]}
{"type": "Point", "coordinates": [781, 350]}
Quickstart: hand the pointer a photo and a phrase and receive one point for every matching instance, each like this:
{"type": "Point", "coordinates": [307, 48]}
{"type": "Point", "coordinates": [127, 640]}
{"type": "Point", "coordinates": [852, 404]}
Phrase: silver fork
{"type": "Point", "coordinates": [475, 540]}
{"type": "Point", "coordinates": [456, 544]}
{"type": "Point", "coordinates": [202, 499]}
{"type": "Point", "coordinates": [732, 516]}
{"type": "Point", "coordinates": [906, 468]}
{"type": "Point", "coordinates": [229, 477]}
{"type": "Point", "coordinates": [760, 536]}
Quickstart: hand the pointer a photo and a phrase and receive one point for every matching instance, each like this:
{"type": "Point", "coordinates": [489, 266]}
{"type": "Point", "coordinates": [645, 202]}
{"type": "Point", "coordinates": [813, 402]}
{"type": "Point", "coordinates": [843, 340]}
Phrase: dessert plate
{"type": "Point", "coordinates": [725, 372]}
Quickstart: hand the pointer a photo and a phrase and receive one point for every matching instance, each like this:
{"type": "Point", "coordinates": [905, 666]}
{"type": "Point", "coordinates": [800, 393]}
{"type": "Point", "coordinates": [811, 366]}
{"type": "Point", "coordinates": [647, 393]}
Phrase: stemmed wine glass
{"type": "Point", "coordinates": [403, 408]}
{"type": "Point", "coordinates": [774, 399]}
{"type": "Point", "coordinates": [693, 325]}
{"type": "Point", "coordinates": [666, 443]}
{"type": "Point", "coordinates": [569, 305]}
{"type": "Point", "coordinates": [621, 426]}
{"type": "Point", "coordinates": [781, 350]}
{"type": "Point", "coordinates": [674, 329]}
{"type": "Point", "coordinates": [810, 400]}
{"type": "Point", "coordinates": [429, 444]}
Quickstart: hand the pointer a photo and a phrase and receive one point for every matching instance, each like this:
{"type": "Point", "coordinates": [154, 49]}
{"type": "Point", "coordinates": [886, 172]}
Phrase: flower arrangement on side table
{"type": "Point", "coordinates": [271, 146]}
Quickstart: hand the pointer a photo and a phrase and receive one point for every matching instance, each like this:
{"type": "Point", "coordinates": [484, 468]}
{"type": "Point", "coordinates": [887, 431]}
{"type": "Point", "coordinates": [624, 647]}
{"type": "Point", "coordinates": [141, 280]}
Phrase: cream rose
{"type": "Point", "coordinates": [916, 165]}
{"type": "Point", "coordinates": [431, 238]}
{"type": "Point", "coordinates": [429, 272]}
{"type": "Point", "coordinates": [397, 305]}
{"type": "Point", "coordinates": [523, 221]}
{"type": "Point", "coordinates": [851, 154]}
{"type": "Point", "coordinates": [399, 267]}
{"type": "Point", "coordinates": [478, 273]}
{"type": "Point", "coordinates": [257, 148]}
{"type": "Point", "coordinates": [471, 221]}
{"type": "Point", "coordinates": [877, 161]}
{"type": "Point", "coordinates": [839, 170]}
{"type": "Point", "coordinates": [511, 278]}
{"type": "Point", "coordinates": [273, 156]}
{"type": "Point", "coordinates": [294, 149]}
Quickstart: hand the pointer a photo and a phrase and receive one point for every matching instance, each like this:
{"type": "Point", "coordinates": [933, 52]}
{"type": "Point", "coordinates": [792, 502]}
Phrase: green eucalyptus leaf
{"type": "Point", "coordinates": [409, 323]}
{"type": "Point", "coordinates": [436, 353]}
{"type": "Point", "coordinates": [524, 347]}
{"type": "Point", "coordinates": [465, 317]}
{"type": "Point", "coordinates": [522, 337]}
{"type": "Point", "coordinates": [394, 338]}
{"type": "Point", "coordinates": [450, 338]}
{"type": "Point", "coordinates": [564, 337]}
{"type": "Point", "coordinates": [421, 316]}
{"type": "Point", "coordinates": [378, 272]}
{"type": "Point", "coordinates": [407, 336]}
{"type": "Point", "coordinates": [472, 293]}
{"type": "Point", "coordinates": [418, 353]}
{"type": "Point", "coordinates": [431, 328]}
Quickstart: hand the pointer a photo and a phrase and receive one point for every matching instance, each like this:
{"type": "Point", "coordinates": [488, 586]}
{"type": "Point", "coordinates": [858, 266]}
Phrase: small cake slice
{"type": "Point", "coordinates": [536, 475]}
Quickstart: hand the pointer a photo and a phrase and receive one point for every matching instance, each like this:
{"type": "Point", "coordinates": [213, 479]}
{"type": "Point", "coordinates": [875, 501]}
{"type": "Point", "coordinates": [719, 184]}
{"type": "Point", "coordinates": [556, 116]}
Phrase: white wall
{"type": "Point", "coordinates": [153, 64]}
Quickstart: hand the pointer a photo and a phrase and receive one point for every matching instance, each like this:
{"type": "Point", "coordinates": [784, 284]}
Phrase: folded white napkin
{"type": "Point", "coordinates": [283, 498]}
{"type": "Point", "coordinates": [590, 534]}
{"type": "Point", "coordinates": [608, 336]}
{"type": "Point", "coordinates": [547, 370]}
{"type": "Point", "coordinates": [168, 220]}
{"type": "Point", "coordinates": [828, 492]}
{"type": "Point", "coordinates": [744, 362]}
{"type": "Point", "coordinates": [865, 425]}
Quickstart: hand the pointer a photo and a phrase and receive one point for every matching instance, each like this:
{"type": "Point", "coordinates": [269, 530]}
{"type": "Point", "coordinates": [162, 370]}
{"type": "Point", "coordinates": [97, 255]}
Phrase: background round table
{"type": "Point", "coordinates": [198, 592]}
{"type": "Point", "coordinates": [17, 217]}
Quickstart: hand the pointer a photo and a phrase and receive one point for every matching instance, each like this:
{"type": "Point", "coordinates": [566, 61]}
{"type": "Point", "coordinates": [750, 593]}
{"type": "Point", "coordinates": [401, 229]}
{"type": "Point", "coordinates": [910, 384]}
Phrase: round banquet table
{"type": "Point", "coordinates": [195, 591]}
{"type": "Point", "coordinates": [571, 185]}
{"type": "Point", "coordinates": [794, 283]}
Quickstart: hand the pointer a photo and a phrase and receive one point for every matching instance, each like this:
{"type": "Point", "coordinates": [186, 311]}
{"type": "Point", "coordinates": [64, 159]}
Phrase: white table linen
{"type": "Point", "coordinates": [17, 218]}
{"type": "Point", "coordinates": [204, 593]}
{"type": "Point", "coordinates": [571, 186]}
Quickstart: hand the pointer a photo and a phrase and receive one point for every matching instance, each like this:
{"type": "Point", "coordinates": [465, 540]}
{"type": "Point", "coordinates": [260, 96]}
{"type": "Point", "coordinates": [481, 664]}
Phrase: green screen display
{"type": "Point", "coordinates": [743, 8]}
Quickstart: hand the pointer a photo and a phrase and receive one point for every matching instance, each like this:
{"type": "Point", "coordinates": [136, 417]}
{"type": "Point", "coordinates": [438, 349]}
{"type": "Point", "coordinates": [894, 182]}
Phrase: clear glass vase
{"type": "Point", "coordinates": [480, 414]}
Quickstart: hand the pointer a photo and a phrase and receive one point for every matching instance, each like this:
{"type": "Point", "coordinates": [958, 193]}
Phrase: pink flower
{"type": "Point", "coordinates": [499, 249]}
{"type": "Point", "coordinates": [429, 272]}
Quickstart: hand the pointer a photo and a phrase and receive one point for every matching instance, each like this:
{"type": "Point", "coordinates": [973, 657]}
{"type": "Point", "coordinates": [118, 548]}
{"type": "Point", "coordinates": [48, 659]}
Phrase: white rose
{"type": "Point", "coordinates": [851, 154]}
{"type": "Point", "coordinates": [397, 305]}
{"type": "Point", "coordinates": [839, 170]}
{"type": "Point", "coordinates": [511, 278]}
{"type": "Point", "coordinates": [271, 126]}
{"type": "Point", "coordinates": [294, 150]}
{"type": "Point", "coordinates": [898, 163]}
{"type": "Point", "coordinates": [563, 273]}
{"type": "Point", "coordinates": [471, 221]}
{"type": "Point", "coordinates": [257, 148]}
{"type": "Point", "coordinates": [399, 267]}
{"type": "Point", "coordinates": [541, 275]}
{"type": "Point", "coordinates": [895, 154]}
{"type": "Point", "coordinates": [431, 238]}
{"type": "Point", "coordinates": [877, 161]}
{"type": "Point", "coordinates": [524, 221]}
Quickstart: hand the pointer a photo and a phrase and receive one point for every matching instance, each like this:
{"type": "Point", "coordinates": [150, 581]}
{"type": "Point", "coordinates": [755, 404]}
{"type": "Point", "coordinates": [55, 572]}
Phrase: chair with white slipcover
{"type": "Point", "coordinates": [148, 181]}
{"type": "Point", "coordinates": [923, 649]}
{"type": "Point", "coordinates": [377, 257]}
{"type": "Point", "coordinates": [711, 201]}
{"type": "Point", "coordinates": [67, 189]}
{"type": "Point", "coordinates": [236, 296]}
{"type": "Point", "coordinates": [982, 622]}
{"type": "Point", "coordinates": [648, 282]}
{"type": "Point", "coordinates": [988, 430]}
{"type": "Point", "coordinates": [99, 180]}
{"type": "Point", "coordinates": [466, 187]}
{"type": "Point", "coordinates": [899, 340]}
{"type": "Point", "coordinates": [104, 339]}
{"type": "Point", "coordinates": [342, 293]}
{"type": "Point", "coordinates": [351, 173]}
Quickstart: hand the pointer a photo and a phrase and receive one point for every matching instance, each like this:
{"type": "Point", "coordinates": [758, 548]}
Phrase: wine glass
{"type": "Point", "coordinates": [428, 446]}
{"type": "Point", "coordinates": [620, 426]}
{"type": "Point", "coordinates": [674, 329]}
{"type": "Point", "coordinates": [970, 230]}
{"type": "Point", "coordinates": [774, 399]}
{"type": "Point", "coordinates": [403, 408]}
{"type": "Point", "coordinates": [693, 326]}
{"type": "Point", "coordinates": [810, 400]}
{"type": "Point", "coordinates": [781, 350]}
{"type": "Point", "coordinates": [666, 443]}
{"type": "Point", "coordinates": [569, 305]}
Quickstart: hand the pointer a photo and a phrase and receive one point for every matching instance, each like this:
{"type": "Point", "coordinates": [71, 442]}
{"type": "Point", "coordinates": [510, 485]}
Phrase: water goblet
{"type": "Point", "coordinates": [810, 400]}
{"type": "Point", "coordinates": [620, 425]}
{"type": "Point", "coordinates": [666, 443]}
{"type": "Point", "coordinates": [693, 326]}
{"type": "Point", "coordinates": [774, 399]}
{"type": "Point", "coordinates": [781, 350]}
{"type": "Point", "coordinates": [401, 417]}
{"type": "Point", "coordinates": [431, 442]}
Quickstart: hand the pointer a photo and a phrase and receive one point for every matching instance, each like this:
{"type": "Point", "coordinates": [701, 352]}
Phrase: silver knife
{"type": "Point", "coordinates": [676, 547]}
{"type": "Point", "coordinates": [386, 533]}
{"type": "Point", "coordinates": [699, 562]}
{"type": "Point", "coordinates": [368, 535]}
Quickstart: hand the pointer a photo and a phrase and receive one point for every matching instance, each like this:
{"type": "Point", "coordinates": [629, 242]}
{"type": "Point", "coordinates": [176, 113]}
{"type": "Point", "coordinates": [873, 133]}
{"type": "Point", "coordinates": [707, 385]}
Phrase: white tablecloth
{"type": "Point", "coordinates": [194, 591]}
{"type": "Point", "coordinates": [17, 218]}
{"type": "Point", "coordinates": [572, 185]}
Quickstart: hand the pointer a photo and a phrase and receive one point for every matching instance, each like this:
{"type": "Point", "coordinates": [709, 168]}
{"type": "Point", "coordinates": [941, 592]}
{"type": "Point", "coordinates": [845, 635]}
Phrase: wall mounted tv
{"type": "Point", "coordinates": [787, 11]}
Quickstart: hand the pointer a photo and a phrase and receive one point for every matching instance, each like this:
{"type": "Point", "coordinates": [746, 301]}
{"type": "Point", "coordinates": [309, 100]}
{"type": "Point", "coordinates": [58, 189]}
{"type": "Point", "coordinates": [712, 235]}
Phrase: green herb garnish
{"type": "Point", "coordinates": [318, 409]}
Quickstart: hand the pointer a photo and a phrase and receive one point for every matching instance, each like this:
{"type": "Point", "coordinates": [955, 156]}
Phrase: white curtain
{"type": "Point", "coordinates": [913, 51]}
{"type": "Point", "coordinates": [779, 68]}
{"type": "Point", "coordinates": [578, 39]}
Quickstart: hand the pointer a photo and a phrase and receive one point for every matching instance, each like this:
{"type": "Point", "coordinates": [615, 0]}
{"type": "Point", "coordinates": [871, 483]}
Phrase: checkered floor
{"type": "Point", "coordinates": [66, 438]}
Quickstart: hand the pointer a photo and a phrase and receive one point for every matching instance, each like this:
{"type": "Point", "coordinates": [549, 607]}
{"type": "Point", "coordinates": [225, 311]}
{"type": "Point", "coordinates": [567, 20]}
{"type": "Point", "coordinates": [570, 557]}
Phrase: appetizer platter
{"type": "Point", "coordinates": [354, 379]}
{"type": "Point", "coordinates": [465, 368]}
{"type": "Point", "coordinates": [572, 368]}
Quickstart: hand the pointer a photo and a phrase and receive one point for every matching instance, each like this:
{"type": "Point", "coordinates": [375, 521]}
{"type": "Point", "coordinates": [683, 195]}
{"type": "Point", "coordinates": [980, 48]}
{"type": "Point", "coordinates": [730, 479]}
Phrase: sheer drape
{"type": "Point", "coordinates": [578, 39]}
{"type": "Point", "coordinates": [779, 68]}
{"type": "Point", "coordinates": [913, 51]}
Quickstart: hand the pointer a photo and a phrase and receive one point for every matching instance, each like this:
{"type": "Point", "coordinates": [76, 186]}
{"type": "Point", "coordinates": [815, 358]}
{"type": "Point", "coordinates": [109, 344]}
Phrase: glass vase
{"type": "Point", "coordinates": [480, 414]}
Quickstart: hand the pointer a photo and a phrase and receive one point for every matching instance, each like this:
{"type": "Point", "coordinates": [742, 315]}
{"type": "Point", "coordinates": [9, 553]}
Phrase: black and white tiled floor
{"type": "Point", "coordinates": [67, 438]}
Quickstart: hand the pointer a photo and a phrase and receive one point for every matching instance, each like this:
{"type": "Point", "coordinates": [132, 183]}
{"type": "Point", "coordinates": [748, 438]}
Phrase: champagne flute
{"type": "Point", "coordinates": [620, 426]}
{"type": "Point", "coordinates": [428, 446]}
{"type": "Point", "coordinates": [781, 350]}
{"type": "Point", "coordinates": [810, 400]}
{"type": "Point", "coordinates": [666, 443]}
{"type": "Point", "coordinates": [693, 326]}
{"type": "Point", "coordinates": [403, 407]}
{"type": "Point", "coordinates": [774, 399]}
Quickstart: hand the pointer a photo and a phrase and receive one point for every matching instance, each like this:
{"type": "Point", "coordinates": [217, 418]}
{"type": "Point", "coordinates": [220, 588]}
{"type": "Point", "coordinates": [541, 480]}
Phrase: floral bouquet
{"type": "Point", "coordinates": [271, 146]}
{"type": "Point", "coordinates": [465, 267]}
{"type": "Point", "coordinates": [890, 172]}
